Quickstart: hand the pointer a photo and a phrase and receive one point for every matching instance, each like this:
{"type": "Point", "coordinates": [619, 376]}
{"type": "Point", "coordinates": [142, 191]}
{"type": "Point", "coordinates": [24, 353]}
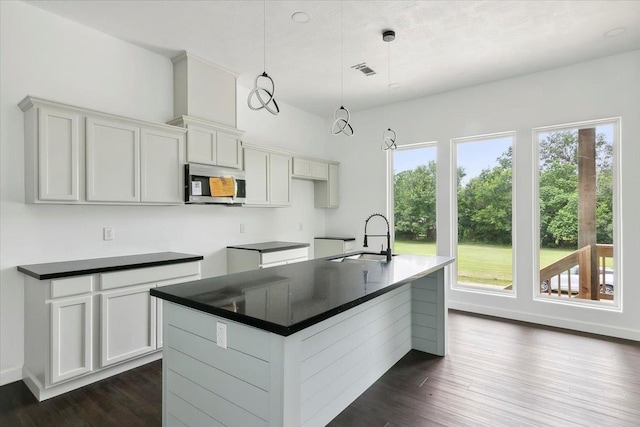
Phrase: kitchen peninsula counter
{"type": "Point", "coordinates": [302, 341]}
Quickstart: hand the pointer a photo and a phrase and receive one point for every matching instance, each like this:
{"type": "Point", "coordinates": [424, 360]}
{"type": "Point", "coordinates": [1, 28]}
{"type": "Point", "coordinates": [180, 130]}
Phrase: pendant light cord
{"type": "Point", "coordinates": [341, 55]}
{"type": "Point", "coordinates": [264, 35]}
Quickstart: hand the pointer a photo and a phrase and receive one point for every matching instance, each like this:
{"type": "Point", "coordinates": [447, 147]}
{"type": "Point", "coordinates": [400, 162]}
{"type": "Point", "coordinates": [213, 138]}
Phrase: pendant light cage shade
{"type": "Point", "coordinates": [341, 122]}
{"type": "Point", "coordinates": [389, 136]}
{"type": "Point", "coordinates": [263, 96]}
{"type": "Point", "coordinates": [342, 116]}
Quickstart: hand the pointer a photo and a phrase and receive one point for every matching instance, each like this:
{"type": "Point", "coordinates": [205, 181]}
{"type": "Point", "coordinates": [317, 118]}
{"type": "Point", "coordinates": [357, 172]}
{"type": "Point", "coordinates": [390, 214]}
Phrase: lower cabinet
{"type": "Point", "coordinates": [127, 324]}
{"type": "Point", "coordinates": [81, 329]}
{"type": "Point", "coordinates": [71, 340]}
{"type": "Point", "coordinates": [243, 259]}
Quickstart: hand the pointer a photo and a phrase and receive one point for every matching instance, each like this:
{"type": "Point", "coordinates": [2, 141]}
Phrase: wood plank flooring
{"type": "Point", "coordinates": [497, 373]}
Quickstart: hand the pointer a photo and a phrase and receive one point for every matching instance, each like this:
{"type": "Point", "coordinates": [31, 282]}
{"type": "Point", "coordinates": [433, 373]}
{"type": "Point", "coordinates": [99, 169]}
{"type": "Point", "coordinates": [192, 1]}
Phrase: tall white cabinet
{"type": "Point", "coordinates": [80, 329]}
{"type": "Point", "coordinates": [58, 144]}
{"type": "Point", "coordinates": [78, 156]}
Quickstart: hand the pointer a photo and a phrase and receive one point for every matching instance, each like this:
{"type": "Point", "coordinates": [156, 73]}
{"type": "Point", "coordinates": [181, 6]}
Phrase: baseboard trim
{"type": "Point", "coordinates": [557, 322]}
{"type": "Point", "coordinates": [41, 393]}
{"type": "Point", "coordinates": [10, 375]}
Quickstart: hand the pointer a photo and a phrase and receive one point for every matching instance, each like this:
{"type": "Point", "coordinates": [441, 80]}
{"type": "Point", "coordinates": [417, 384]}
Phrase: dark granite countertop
{"type": "Point", "coordinates": [54, 270]}
{"type": "Point", "coordinates": [270, 246]}
{"type": "Point", "coordinates": [289, 298]}
{"type": "Point", "coordinates": [346, 239]}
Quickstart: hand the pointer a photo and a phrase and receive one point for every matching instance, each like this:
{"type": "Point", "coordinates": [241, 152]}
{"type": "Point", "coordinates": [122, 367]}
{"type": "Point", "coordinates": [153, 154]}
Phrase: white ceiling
{"type": "Point", "coordinates": [440, 45]}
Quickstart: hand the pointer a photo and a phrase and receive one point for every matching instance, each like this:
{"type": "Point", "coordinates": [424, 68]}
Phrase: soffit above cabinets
{"type": "Point", "coordinates": [440, 46]}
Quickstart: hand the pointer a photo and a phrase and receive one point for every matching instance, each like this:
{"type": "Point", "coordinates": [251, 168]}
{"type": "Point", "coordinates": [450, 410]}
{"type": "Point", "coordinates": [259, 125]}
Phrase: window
{"type": "Point", "coordinates": [576, 188]}
{"type": "Point", "coordinates": [484, 200]}
{"type": "Point", "coordinates": [414, 199]}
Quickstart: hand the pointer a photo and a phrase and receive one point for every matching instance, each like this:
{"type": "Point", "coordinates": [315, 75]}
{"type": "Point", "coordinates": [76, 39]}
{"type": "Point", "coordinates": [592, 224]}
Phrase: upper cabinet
{"type": "Point", "coordinates": [326, 192]}
{"type": "Point", "coordinates": [268, 177]}
{"type": "Point", "coordinates": [211, 144]}
{"type": "Point", "coordinates": [74, 155]}
{"type": "Point", "coordinates": [310, 169]}
{"type": "Point", "coordinates": [55, 136]}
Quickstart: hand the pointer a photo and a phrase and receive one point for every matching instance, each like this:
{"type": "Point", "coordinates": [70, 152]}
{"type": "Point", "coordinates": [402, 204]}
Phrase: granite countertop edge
{"type": "Point", "coordinates": [292, 329]}
{"type": "Point", "coordinates": [56, 270]}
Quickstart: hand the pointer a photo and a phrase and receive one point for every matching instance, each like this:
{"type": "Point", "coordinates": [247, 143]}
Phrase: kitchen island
{"type": "Point", "coordinates": [296, 344]}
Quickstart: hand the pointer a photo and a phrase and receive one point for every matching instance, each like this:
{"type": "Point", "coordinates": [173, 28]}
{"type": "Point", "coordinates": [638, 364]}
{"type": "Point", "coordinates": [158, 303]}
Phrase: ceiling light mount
{"type": "Point", "coordinates": [301, 17]}
{"type": "Point", "coordinates": [388, 36]}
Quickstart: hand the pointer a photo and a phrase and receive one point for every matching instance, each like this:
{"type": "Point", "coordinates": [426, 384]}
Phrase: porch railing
{"type": "Point", "coordinates": [581, 259]}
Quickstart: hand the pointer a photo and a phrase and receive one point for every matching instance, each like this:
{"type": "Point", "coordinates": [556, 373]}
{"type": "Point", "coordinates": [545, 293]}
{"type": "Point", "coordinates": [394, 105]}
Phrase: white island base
{"type": "Point", "coordinates": [304, 379]}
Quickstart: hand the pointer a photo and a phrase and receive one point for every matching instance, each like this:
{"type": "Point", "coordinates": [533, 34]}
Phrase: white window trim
{"type": "Point", "coordinates": [390, 187]}
{"type": "Point", "coordinates": [513, 293]}
{"type": "Point", "coordinates": [617, 220]}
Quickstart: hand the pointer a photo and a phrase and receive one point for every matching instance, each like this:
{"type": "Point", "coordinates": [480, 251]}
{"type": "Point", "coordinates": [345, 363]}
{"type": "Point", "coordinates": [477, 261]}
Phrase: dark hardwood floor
{"type": "Point", "coordinates": [497, 373]}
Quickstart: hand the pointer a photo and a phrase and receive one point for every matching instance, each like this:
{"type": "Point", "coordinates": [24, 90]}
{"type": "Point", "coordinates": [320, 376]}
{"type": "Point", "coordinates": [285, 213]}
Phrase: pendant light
{"type": "Point", "coordinates": [264, 95]}
{"type": "Point", "coordinates": [389, 136]}
{"type": "Point", "coordinates": [341, 115]}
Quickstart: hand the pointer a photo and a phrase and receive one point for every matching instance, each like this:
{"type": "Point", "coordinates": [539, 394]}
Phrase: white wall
{"type": "Point", "coordinates": [608, 87]}
{"type": "Point", "coordinates": [53, 58]}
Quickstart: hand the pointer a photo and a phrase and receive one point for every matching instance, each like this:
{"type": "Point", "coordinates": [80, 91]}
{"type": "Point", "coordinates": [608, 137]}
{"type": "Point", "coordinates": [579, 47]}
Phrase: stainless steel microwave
{"type": "Point", "coordinates": [210, 184]}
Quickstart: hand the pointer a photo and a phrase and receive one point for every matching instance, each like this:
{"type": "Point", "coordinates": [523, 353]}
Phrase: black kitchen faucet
{"type": "Point", "coordinates": [388, 251]}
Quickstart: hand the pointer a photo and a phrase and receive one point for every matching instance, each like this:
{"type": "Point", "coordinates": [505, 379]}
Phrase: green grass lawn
{"type": "Point", "coordinates": [480, 263]}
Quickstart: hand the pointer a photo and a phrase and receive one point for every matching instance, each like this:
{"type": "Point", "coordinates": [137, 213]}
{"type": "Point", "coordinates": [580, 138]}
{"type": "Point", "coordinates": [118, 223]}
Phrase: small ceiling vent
{"type": "Point", "coordinates": [364, 68]}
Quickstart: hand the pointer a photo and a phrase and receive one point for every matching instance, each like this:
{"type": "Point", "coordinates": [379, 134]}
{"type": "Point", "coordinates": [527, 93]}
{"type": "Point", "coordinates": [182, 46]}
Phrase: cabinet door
{"type": "Point", "coordinates": [161, 163]}
{"type": "Point", "coordinates": [279, 179]}
{"type": "Point", "coordinates": [113, 161]}
{"type": "Point", "coordinates": [201, 145]}
{"type": "Point", "coordinates": [127, 324]}
{"type": "Point", "coordinates": [319, 170]}
{"type": "Point", "coordinates": [301, 167]}
{"type": "Point", "coordinates": [58, 155]}
{"type": "Point", "coordinates": [333, 186]}
{"type": "Point", "coordinates": [256, 167]}
{"type": "Point", "coordinates": [71, 341]}
{"type": "Point", "coordinates": [228, 151]}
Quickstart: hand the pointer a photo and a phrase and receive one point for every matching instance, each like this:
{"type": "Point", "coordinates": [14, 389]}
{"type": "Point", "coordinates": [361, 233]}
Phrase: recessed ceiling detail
{"type": "Point", "coordinates": [366, 70]}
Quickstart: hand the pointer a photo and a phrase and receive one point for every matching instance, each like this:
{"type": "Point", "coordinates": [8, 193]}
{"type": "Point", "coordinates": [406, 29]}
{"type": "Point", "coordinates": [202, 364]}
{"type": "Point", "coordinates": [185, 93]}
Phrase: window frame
{"type": "Point", "coordinates": [617, 304]}
{"type": "Point", "coordinates": [390, 184]}
{"type": "Point", "coordinates": [513, 292]}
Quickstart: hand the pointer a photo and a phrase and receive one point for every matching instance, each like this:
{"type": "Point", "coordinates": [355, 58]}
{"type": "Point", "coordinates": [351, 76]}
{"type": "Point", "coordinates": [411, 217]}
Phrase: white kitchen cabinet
{"type": "Point", "coordinates": [247, 259]}
{"type": "Point", "coordinates": [58, 145]}
{"type": "Point", "coordinates": [80, 329]}
{"type": "Point", "coordinates": [326, 192]}
{"type": "Point", "coordinates": [279, 179]}
{"type": "Point", "coordinates": [256, 168]}
{"type": "Point", "coordinates": [71, 337]}
{"type": "Point", "coordinates": [327, 246]}
{"type": "Point", "coordinates": [211, 144]}
{"type": "Point", "coordinates": [79, 156]}
{"type": "Point", "coordinates": [127, 324]}
{"type": "Point", "coordinates": [268, 176]}
{"type": "Point", "coordinates": [310, 169]}
{"type": "Point", "coordinates": [113, 161]}
{"type": "Point", "coordinates": [162, 157]}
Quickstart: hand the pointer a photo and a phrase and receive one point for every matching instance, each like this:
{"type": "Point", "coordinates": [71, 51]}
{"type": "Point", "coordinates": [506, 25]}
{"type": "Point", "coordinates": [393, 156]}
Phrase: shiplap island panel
{"type": "Point", "coordinates": [303, 340]}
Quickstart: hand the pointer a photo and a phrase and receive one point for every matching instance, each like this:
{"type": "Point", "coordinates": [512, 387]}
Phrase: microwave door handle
{"type": "Point", "coordinates": [235, 187]}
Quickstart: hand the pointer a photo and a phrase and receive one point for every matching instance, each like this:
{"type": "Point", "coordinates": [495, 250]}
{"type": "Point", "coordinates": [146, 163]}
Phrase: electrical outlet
{"type": "Point", "coordinates": [242, 228]}
{"type": "Point", "coordinates": [221, 334]}
{"type": "Point", "coordinates": [300, 227]}
{"type": "Point", "coordinates": [108, 233]}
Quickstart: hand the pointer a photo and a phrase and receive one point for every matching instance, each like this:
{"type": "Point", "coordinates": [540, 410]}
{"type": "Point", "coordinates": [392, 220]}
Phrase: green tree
{"type": "Point", "coordinates": [484, 205]}
{"type": "Point", "coordinates": [415, 202]}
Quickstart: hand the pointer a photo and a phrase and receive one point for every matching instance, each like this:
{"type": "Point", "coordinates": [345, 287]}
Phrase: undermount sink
{"type": "Point", "coordinates": [362, 257]}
